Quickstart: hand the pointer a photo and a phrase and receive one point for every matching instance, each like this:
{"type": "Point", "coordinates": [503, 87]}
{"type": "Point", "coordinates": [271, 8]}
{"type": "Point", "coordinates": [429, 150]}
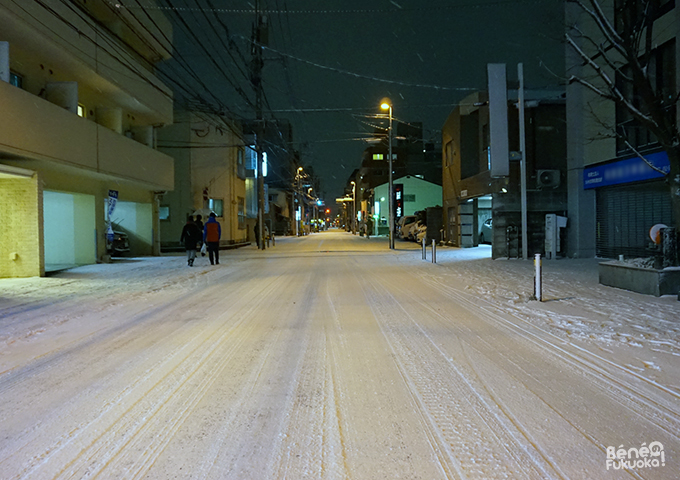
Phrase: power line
{"type": "Point", "coordinates": [475, 5]}
{"type": "Point", "coordinates": [367, 77]}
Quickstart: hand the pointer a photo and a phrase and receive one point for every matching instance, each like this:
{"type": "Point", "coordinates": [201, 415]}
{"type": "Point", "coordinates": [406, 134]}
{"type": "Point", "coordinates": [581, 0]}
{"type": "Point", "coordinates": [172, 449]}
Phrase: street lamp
{"type": "Point", "coordinates": [354, 207]}
{"type": "Point", "coordinates": [386, 104]}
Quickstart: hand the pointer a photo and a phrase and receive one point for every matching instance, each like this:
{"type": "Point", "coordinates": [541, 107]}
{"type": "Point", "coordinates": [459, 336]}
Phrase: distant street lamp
{"type": "Point", "coordinates": [354, 207]}
{"type": "Point", "coordinates": [386, 104]}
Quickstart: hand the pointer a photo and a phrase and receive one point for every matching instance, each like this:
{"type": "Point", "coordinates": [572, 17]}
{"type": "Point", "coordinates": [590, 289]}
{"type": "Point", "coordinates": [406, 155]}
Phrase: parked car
{"type": "Point", "coordinates": [420, 233]}
{"type": "Point", "coordinates": [404, 224]}
{"type": "Point", "coordinates": [119, 244]}
{"type": "Point", "coordinates": [415, 229]}
{"type": "Point", "coordinates": [486, 232]}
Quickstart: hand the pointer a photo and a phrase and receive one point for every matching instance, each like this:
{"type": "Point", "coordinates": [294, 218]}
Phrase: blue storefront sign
{"type": "Point", "coordinates": [626, 171]}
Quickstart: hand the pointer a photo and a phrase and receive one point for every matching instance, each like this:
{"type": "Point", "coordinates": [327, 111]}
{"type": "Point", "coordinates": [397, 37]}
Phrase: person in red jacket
{"type": "Point", "coordinates": [212, 231]}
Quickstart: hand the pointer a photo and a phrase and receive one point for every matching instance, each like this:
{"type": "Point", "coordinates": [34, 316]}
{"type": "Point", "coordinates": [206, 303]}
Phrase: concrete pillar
{"type": "Point", "coordinates": [111, 118]}
{"type": "Point", "coordinates": [63, 94]}
{"type": "Point", "coordinates": [4, 62]}
{"type": "Point", "coordinates": [581, 203]}
{"type": "Point", "coordinates": [143, 134]}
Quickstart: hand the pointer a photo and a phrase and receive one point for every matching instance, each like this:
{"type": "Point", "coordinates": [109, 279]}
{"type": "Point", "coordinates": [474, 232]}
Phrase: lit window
{"type": "Point", "coordinates": [378, 156]}
{"type": "Point", "coordinates": [241, 213]}
{"type": "Point", "coordinates": [217, 206]}
{"type": "Point", "coordinates": [164, 212]}
{"type": "Point", "coordinates": [16, 80]}
{"type": "Point", "coordinates": [82, 112]}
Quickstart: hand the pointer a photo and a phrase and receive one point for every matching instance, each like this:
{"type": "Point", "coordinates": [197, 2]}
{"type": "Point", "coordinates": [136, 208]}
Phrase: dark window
{"type": "Point", "coordinates": [240, 164]}
{"type": "Point", "coordinates": [662, 76]}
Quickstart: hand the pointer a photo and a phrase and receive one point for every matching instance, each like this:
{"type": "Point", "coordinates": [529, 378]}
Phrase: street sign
{"type": "Point", "coordinates": [398, 201]}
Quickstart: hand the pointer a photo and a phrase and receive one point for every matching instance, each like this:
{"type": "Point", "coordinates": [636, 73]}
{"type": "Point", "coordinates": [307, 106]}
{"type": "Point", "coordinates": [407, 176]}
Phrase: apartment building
{"type": "Point", "coordinates": [80, 104]}
{"type": "Point", "coordinates": [210, 175]}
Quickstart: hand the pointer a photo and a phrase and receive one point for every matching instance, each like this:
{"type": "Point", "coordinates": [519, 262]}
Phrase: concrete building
{"type": "Point", "coordinates": [410, 156]}
{"type": "Point", "coordinates": [80, 103]}
{"type": "Point", "coordinates": [614, 197]}
{"type": "Point", "coordinates": [413, 194]}
{"type": "Point", "coordinates": [280, 208]}
{"type": "Point", "coordinates": [471, 195]}
{"type": "Point", "coordinates": [210, 175]}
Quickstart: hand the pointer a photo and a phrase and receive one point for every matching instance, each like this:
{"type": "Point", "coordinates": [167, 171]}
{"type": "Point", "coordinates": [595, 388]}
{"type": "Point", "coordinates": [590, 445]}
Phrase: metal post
{"type": "Point", "coordinates": [523, 163]}
{"type": "Point", "coordinates": [424, 249]}
{"type": "Point", "coordinates": [434, 250]}
{"type": "Point", "coordinates": [538, 286]}
{"type": "Point", "coordinates": [391, 189]}
{"type": "Point", "coordinates": [260, 196]}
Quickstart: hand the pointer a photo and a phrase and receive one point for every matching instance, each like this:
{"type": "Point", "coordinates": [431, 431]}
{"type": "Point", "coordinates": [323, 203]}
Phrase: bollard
{"type": "Point", "coordinates": [538, 287]}
{"type": "Point", "coordinates": [434, 251]}
{"type": "Point", "coordinates": [424, 249]}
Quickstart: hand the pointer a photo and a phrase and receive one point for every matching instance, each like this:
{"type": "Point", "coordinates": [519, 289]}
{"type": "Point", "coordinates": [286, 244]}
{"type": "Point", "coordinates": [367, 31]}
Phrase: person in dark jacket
{"type": "Point", "coordinates": [199, 224]}
{"type": "Point", "coordinates": [191, 236]}
{"type": "Point", "coordinates": [212, 231]}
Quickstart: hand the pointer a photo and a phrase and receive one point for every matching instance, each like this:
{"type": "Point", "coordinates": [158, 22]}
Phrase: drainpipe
{"type": "Point", "coordinates": [156, 247]}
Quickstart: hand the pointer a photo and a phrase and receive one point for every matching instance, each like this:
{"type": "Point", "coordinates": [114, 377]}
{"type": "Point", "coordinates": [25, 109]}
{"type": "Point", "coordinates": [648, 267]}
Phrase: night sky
{"type": "Point", "coordinates": [329, 63]}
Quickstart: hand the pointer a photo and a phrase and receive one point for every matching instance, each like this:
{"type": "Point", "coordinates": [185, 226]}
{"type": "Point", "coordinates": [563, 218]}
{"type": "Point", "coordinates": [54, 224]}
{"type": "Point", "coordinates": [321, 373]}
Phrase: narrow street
{"type": "Point", "coordinates": [325, 357]}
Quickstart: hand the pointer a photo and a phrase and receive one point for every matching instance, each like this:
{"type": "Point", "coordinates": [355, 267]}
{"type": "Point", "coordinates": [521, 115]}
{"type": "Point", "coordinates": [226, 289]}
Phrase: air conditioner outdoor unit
{"type": "Point", "coordinates": [547, 178]}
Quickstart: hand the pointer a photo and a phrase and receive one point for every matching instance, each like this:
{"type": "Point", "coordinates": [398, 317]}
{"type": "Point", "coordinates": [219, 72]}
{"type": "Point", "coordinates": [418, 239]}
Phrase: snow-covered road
{"type": "Point", "coordinates": [331, 357]}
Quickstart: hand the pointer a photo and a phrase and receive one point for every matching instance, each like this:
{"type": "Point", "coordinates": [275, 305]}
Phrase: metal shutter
{"type": "Point", "coordinates": [625, 213]}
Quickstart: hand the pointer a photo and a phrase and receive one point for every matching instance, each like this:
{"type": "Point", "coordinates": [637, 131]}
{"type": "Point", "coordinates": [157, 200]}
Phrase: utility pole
{"type": "Point", "coordinates": [259, 39]}
{"type": "Point", "coordinates": [523, 165]}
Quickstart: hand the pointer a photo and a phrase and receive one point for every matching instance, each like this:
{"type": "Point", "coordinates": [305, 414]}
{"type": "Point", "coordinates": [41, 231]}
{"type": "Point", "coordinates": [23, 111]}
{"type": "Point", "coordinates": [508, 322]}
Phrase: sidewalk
{"type": "Point", "coordinates": [575, 305]}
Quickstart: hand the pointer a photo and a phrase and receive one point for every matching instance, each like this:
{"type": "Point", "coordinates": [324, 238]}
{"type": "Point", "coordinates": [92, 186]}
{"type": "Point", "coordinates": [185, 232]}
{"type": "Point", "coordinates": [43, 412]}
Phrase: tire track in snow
{"type": "Point", "coordinates": [126, 410]}
{"type": "Point", "coordinates": [309, 442]}
{"type": "Point", "coordinates": [505, 365]}
{"type": "Point", "coordinates": [459, 417]}
{"type": "Point", "coordinates": [174, 404]}
{"type": "Point", "coordinates": [618, 389]}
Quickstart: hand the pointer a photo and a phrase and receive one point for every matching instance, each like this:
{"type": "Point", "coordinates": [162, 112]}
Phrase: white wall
{"type": "Point", "coordinates": [135, 219]}
{"type": "Point", "coordinates": [69, 229]}
{"type": "Point", "coordinates": [427, 195]}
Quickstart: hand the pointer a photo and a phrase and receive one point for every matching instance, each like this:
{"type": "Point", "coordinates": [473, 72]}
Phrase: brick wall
{"type": "Point", "coordinates": [21, 224]}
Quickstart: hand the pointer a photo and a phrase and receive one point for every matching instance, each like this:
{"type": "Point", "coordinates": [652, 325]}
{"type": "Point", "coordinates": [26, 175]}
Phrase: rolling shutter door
{"type": "Point", "coordinates": [626, 213]}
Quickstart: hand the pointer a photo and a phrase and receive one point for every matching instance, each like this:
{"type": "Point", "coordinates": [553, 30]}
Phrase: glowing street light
{"type": "Point", "coordinates": [386, 104]}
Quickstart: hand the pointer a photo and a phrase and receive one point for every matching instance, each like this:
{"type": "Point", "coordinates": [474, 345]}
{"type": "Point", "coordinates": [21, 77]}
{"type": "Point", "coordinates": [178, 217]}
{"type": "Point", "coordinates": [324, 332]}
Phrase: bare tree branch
{"type": "Point", "coordinates": [614, 93]}
{"type": "Point", "coordinates": [603, 24]}
{"type": "Point", "coordinates": [593, 88]}
{"type": "Point", "coordinates": [642, 157]}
